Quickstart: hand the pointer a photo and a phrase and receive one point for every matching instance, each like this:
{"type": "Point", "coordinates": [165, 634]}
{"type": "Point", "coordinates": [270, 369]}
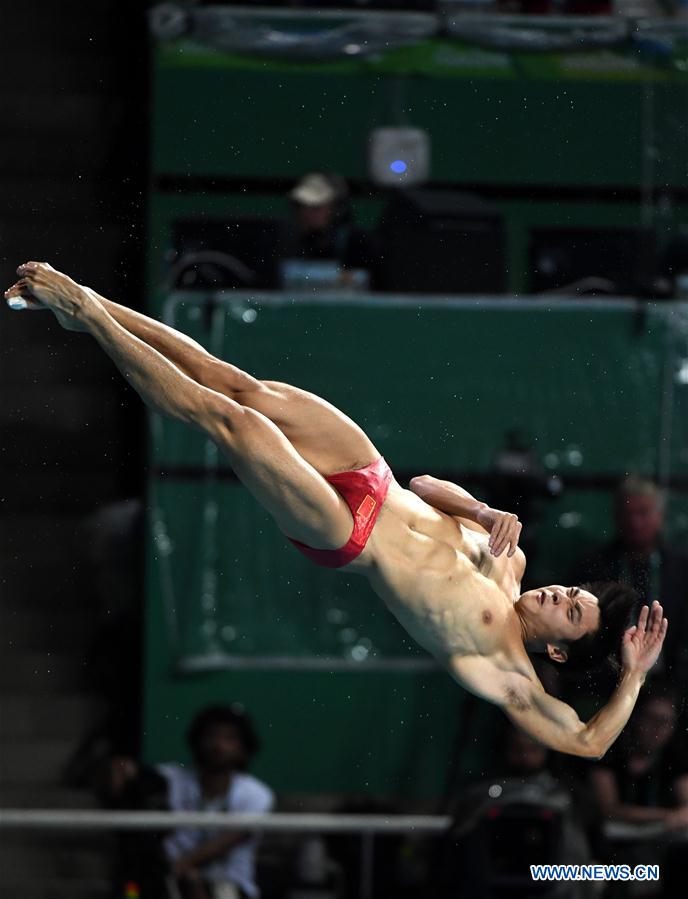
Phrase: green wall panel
{"type": "Point", "coordinates": [247, 123]}
{"type": "Point", "coordinates": [233, 585]}
{"type": "Point", "coordinates": [349, 732]}
{"type": "Point", "coordinates": [440, 383]}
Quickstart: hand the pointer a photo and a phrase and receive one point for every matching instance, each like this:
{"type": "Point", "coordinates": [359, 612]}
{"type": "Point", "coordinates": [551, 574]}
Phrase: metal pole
{"type": "Point", "coordinates": [88, 819]}
{"type": "Point", "coordinates": [367, 860]}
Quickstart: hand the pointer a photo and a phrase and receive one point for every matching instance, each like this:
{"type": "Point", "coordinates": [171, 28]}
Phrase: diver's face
{"type": "Point", "coordinates": [559, 614]}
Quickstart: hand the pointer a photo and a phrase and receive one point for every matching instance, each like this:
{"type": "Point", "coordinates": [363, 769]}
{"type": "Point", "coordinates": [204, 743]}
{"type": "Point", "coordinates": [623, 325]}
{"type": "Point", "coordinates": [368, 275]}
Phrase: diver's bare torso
{"type": "Point", "coordinates": [440, 581]}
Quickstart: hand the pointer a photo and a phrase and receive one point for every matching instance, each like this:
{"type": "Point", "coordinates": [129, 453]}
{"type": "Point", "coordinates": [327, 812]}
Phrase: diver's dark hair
{"type": "Point", "coordinates": [233, 715]}
{"type": "Point", "coordinates": [618, 605]}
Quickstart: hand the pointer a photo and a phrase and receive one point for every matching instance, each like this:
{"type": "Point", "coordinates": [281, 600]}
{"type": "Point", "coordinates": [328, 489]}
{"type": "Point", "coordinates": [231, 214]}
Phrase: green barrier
{"type": "Point", "coordinates": [440, 382]}
{"type": "Point", "coordinates": [592, 119]}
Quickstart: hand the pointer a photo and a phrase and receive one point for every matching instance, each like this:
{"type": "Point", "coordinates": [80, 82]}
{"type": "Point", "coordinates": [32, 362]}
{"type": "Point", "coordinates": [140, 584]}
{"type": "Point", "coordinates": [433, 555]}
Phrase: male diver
{"type": "Point", "coordinates": [446, 565]}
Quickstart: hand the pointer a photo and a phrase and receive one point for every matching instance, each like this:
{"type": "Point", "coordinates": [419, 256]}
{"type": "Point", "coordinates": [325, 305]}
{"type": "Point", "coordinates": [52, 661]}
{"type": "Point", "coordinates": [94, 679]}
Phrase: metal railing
{"type": "Point", "coordinates": [366, 825]}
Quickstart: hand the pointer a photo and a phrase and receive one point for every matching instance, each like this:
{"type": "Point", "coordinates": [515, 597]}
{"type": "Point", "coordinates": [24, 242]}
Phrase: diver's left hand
{"type": "Point", "coordinates": [642, 643]}
{"type": "Point", "coordinates": [504, 529]}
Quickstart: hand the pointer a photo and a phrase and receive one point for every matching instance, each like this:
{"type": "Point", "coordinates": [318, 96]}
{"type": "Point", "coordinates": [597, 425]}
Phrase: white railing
{"type": "Point", "coordinates": [87, 819]}
{"type": "Point", "coordinates": [366, 825]}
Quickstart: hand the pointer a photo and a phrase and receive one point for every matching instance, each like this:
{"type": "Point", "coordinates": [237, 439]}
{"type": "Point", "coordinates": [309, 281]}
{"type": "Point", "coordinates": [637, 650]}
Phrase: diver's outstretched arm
{"type": "Point", "coordinates": [556, 724]}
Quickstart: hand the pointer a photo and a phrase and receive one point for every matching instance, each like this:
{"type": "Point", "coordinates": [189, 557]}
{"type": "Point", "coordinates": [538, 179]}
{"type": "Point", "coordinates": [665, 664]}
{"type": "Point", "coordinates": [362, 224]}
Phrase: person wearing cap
{"type": "Point", "coordinates": [321, 228]}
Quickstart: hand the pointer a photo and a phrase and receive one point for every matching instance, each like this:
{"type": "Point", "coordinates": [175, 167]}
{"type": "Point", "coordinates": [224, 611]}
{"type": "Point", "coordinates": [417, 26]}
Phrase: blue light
{"type": "Point", "coordinates": [398, 166]}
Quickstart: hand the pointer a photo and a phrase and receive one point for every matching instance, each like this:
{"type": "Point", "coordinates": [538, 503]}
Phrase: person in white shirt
{"type": "Point", "coordinates": [209, 862]}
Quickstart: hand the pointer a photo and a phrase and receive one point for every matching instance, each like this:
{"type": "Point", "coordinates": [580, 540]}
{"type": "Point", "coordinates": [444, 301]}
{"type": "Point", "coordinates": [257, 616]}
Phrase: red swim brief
{"type": "Point", "coordinates": [364, 491]}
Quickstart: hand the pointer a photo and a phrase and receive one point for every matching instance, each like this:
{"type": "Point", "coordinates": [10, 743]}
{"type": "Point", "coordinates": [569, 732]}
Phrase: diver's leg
{"type": "Point", "coordinates": [326, 437]}
{"type": "Point", "coordinates": [300, 500]}
{"type": "Point", "coordinates": [321, 433]}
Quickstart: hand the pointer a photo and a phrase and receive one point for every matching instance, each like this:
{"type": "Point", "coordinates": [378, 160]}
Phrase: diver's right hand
{"type": "Point", "coordinates": [504, 529]}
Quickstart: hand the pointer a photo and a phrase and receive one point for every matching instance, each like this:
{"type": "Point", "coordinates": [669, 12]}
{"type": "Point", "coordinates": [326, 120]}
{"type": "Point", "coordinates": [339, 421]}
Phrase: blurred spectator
{"type": "Point", "coordinates": [640, 555]}
{"type": "Point", "coordinates": [643, 779]}
{"type": "Point", "coordinates": [208, 863]}
{"type": "Point", "coordinates": [644, 775]}
{"type": "Point", "coordinates": [524, 814]}
{"type": "Point", "coordinates": [322, 245]}
{"type": "Point", "coordinates": [140, 856]}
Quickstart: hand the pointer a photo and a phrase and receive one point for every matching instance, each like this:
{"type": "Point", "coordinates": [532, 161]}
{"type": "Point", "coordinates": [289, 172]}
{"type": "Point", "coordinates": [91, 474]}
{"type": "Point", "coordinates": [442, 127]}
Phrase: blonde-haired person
{"type": "Point", "coordinates": [640, 556]}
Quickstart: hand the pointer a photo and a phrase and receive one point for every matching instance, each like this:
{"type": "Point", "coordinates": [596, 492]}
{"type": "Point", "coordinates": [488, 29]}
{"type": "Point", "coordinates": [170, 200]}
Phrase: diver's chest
{"type": "Point", "coordinates": [453, 613]}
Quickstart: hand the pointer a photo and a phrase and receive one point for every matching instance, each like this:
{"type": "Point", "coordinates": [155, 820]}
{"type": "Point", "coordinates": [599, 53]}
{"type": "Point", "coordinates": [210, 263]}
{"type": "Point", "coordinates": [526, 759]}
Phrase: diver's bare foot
{"type": "Point", "coordinates": [67, 299]}
{"type": "Point", "coordinates": [20, 298]}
